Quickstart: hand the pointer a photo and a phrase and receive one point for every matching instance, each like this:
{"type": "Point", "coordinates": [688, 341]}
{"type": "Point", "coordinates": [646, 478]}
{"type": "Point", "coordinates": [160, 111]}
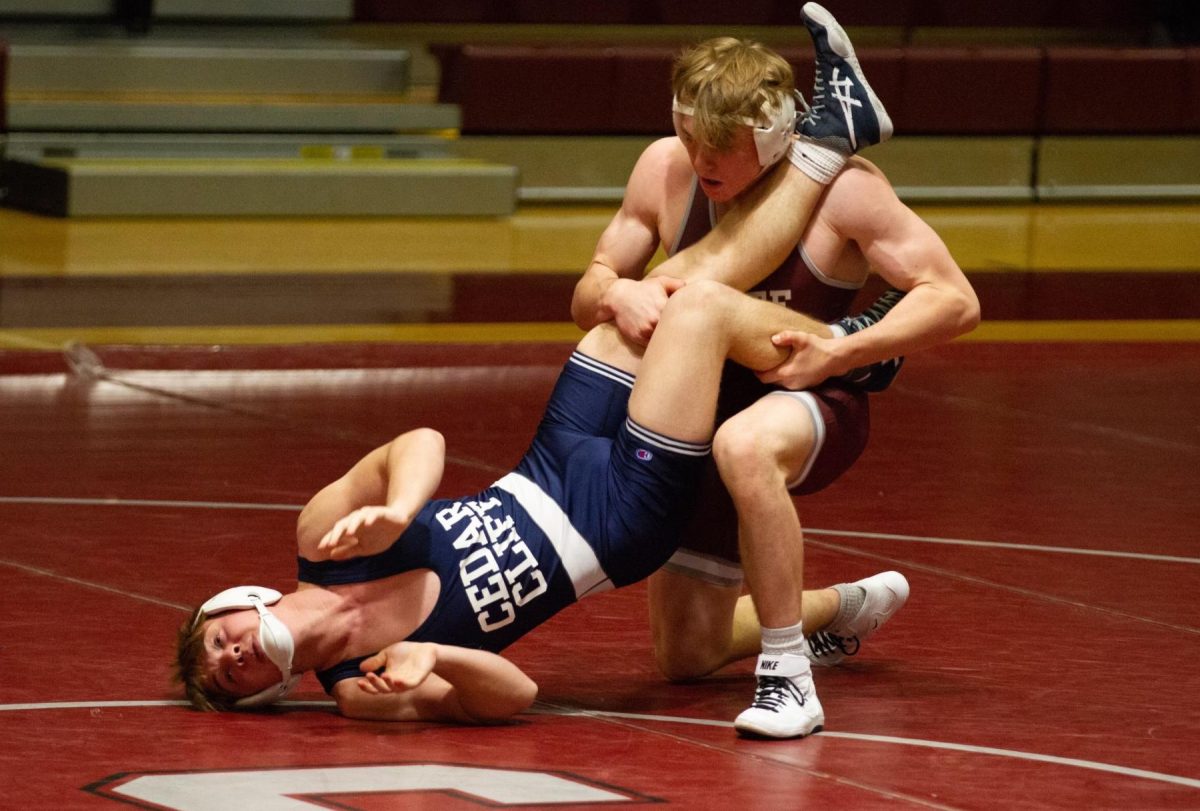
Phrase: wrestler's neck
{"type": "Point", "coordinates": [321, 621]}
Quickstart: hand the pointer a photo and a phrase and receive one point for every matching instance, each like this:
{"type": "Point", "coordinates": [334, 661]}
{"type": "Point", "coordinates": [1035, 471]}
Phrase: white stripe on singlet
{"type": "Point", "coordinates": [665, 442]}
{"type": "Point", "coordinates": [809, 402]}
{"type": "Point", "coordinates": [603, 369]}
{"type": "Point", "coordinates": [717, 571]}
{"type": "Point", "coordinates": [829, 280]}
{"type": "Point", "coordinates": [577, 556]}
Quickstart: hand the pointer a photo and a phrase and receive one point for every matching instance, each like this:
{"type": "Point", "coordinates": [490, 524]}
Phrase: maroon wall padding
{"type": "Point", "coordinates": [967, 91]}
{"type": "Point", "coordinates": [1114, 90]}
{"type": "Point", "coordinates": [551, 12]}
{"type": "Point", "coordinates": [715, 12]}
{"type": "Point", "coordinates": [422, 11]}
{"type": "Point", "coordinates": [1191, 109]}
{"type": "Point", "coordinates": [642, 89]}
{"type": "Point", "coordinates": [3, 86]}
{"type": "Point", "coordinates": [969, 13]}
{"type": "Point", "coordinates": [1083, 14]}
{"type": "Point", "coordinates": [531, 89]}
{"type": "Point", "coordinates": [1130, 14]}
{"type": "Point", "coordinates": [894, 13]}
{"type": "Point", "coordinates": [1086, 14]}
{"type": "Point", "coordinates": [927, 90]}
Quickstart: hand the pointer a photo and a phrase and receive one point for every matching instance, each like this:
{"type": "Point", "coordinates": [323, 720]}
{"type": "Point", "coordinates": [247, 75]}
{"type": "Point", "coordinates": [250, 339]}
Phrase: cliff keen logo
{"type": "Point", "coordinates": [644, 455]}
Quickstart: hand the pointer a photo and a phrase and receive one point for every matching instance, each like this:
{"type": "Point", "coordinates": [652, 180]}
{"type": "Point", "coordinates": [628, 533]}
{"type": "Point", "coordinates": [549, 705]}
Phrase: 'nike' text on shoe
{"type": "Point", "coordinates": [785, 702]}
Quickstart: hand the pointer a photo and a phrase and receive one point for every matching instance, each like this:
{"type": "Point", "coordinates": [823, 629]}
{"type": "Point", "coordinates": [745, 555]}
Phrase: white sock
{"type": "Point", "coordinates": [821, 163]}
{"type": "Point", "coordinates": [838, 332]}
{"type": "Point", "coordinates": [850, 603]}
{"type": "Point", "coordinates": [780, 641]}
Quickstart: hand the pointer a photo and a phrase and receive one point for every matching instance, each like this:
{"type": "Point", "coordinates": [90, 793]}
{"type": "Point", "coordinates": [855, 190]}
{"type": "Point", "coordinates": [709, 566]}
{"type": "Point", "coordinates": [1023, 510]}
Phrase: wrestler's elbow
{"type": "Point", "coordinates": [500, 707]}
{"type": "Point", "coordinates": [523, 695]}
{"type": "Point", "coordinates": [966, 309]}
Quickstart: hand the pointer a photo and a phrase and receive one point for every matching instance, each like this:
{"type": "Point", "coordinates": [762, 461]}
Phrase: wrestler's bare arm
{"type": "Point", "coordinates": [862, 207]}
{"type": "Point", "coordinates": [423, 681]}
{"type": "Point", "coordinates": [608, 290]}
{"type": "Point", "coordinates": [910, 256]}
{"type": "Point", "coordinates": [364, 511]}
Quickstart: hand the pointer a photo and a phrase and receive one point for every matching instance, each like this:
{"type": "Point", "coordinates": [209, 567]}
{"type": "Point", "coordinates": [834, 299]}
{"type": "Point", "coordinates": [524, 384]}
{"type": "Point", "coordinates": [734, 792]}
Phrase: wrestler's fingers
{"type": "Point", "coordinates": [344, 547]}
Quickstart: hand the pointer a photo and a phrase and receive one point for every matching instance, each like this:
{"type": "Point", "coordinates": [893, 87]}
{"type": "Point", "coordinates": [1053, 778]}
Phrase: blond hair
{"type": "Point", "coordinates": [189, 667]}
{"type": "Point", "coordinates": [727, 81]}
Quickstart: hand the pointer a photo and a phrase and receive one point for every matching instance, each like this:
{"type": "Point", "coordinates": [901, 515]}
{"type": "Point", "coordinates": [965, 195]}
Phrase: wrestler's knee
{"type": "Point", "coordinates": [703, 297]}
{"type": "Point", "coordinates": [746, 456]}
{"type": "Point", "coordinates": [691, 623]}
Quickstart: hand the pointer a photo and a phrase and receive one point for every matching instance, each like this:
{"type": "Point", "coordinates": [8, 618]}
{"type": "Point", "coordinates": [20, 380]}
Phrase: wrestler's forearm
{"type": "Point", "coordinates": [589, 303]}
{"type": "Point", "coordinates": [415, 463]}
{"type": "Point", "coordinates": [930, 314]}
{"type": "Point", "coordinates": [488, 687]}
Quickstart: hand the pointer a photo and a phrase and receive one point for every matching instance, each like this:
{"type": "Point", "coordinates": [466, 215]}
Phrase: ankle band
{"type": "Point", "coordinates": [821, 163]}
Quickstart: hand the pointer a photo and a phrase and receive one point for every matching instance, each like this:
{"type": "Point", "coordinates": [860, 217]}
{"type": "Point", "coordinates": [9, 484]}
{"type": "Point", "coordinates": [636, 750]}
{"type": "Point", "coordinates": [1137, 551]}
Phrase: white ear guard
{"type": "Point", "coordinates": [771, 139]}
{"type": "Point", "coordinates": [276, 639]}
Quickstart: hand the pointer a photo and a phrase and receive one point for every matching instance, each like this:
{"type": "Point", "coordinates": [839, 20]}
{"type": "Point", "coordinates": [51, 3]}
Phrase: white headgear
{"type": "Point", "coordinates": [277, 641]}
{"type": "Point", "coordinates": [772, 132]}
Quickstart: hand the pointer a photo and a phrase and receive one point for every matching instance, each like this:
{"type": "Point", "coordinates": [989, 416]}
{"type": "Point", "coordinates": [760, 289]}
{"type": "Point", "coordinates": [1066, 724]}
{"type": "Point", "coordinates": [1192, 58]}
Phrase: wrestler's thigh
{"type": "Point", "coordinates": [606, 344]}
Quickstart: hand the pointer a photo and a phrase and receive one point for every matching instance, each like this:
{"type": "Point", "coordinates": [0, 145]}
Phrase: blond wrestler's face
{"type": "Point", "coordinates": [725, 174]}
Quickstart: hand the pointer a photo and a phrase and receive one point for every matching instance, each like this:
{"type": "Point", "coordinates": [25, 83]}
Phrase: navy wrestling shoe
{"type": "Point", "coordinates": [878, 376]}
{"type": "Point", "coordinates": [845, 115]}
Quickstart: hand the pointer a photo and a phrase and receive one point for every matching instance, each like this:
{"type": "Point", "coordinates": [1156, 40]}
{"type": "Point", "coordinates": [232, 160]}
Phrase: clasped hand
{"type": "Point", "coordinates": [638, 305]}
{"type": "Point", "coordinates": [811, 360]}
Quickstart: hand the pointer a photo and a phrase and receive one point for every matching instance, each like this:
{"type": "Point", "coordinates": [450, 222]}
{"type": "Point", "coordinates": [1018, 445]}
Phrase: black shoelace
{"type": "Point", "coordinates": [773, 693]}
{"type": "Point", "coordinates": [823, 643]}
{"type": "Point", "coordinates": [875, 313]}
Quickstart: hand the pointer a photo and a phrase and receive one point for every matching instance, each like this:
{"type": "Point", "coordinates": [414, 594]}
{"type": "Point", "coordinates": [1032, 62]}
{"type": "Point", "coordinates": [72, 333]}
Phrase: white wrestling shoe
{"type": "Point", "coordinates": [785, 703]}
{"type": "Point", "coordinates": [886, 594]}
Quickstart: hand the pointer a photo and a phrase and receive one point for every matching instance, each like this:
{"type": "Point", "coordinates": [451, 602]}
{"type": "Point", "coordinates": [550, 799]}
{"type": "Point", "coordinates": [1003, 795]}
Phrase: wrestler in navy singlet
{"type": "Point", "coordinates": [840, 412]}
{"type": "Point", "coordinates": [597, 502]}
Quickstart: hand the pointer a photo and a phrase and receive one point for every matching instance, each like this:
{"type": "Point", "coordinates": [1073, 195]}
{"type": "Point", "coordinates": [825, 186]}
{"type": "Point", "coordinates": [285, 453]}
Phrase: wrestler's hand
{"type": "Point", "coordinates": [366, 531]}
{"type": "Point", "coordinates": [637, 305]}
{"type": "Point", "coordinates": [405, 665]}
{"type": "Point", "coordinates": [811, 360]}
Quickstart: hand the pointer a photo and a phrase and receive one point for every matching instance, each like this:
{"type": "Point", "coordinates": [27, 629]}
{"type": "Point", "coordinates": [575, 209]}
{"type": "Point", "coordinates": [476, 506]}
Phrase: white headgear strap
{"type": "Point", "coordinates": [772, 132]}
{"type": "Point", "coordinates": [277, 641]}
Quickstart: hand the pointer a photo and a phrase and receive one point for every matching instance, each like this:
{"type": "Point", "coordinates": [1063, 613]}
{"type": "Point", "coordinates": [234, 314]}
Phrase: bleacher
{"type": "Point", "coordinates": [470, 106]}
{"type": "Point", "coordinates": [198, 118]}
